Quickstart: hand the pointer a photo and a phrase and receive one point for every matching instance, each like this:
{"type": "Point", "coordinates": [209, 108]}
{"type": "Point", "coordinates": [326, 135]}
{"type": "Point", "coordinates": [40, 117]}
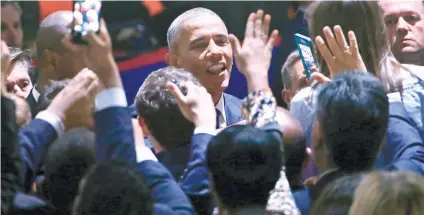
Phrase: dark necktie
{"type": "Point", "coordinates": [218, 114]}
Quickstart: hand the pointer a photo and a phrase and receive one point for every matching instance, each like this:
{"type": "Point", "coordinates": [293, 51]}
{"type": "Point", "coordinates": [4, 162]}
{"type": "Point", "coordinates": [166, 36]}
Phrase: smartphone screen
{"type": "Point", "coordinates": [304, 46]}
{"type": "Point", "coordinates": [86, 18]}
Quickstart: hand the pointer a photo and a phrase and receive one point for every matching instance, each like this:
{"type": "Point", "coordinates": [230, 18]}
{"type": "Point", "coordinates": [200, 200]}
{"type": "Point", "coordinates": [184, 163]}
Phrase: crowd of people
{"type": "Point", "coordinates": [351, 140]}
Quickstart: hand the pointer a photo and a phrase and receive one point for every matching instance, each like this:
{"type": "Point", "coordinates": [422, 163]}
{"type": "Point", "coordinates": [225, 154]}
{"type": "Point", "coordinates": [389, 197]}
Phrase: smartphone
{"type": "Point", "coordinates": [86, 18]}
{"type": "Point", "coordinates": [305, 48]}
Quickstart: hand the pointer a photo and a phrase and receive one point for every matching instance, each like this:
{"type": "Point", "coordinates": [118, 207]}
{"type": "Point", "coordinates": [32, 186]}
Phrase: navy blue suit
{"type": "Point", "coordinates": [115, 140]}
{"type": "Point", "coordinates": [404, 150]}
{"type": "Point", "coordinates": [34, 141]}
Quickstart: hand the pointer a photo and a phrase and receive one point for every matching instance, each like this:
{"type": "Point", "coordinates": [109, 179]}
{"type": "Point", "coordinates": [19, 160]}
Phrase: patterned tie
{"type": "Point", "coordinates": [218, 114]}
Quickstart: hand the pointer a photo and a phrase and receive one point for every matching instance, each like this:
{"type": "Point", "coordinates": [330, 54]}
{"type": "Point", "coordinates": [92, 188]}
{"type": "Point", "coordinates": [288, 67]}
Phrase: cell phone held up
{"type": "Point", "coordinates": [86, 19]}
{"type": "Point", "coordinates": [305, 47]}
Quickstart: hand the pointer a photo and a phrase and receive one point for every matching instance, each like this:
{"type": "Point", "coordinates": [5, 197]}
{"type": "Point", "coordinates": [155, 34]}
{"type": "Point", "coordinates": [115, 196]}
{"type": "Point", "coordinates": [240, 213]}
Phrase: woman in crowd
{"type": "Point", "coordinates": [21, 74]}
{"type": "Point", "coordinates": [400, 193]}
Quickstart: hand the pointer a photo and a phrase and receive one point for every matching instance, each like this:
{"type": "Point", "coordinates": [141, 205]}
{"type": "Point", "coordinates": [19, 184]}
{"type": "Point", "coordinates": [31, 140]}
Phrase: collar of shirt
{"type": "Point", "coordinates": [221, 107]}
{"type": "Point", "coordinates": [35, 94]}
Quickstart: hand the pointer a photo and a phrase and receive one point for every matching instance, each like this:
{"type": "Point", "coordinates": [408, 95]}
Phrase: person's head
{"type": "Point", "coordinates": [405, 24]}
{"type": "Point", "coordinates": [365, 19]}
{"type": "Point", "coordinates": [23, 112]}
{"type": "Point", "coordinates": [112, 188]}
{"type": "Point", "coordinates": [11, 28]}
{"type": "Point", "coordinates": [337, 197]}
{"type": "Point", "coordinates": [380, 193]}
{"type": "Point", "coordinates": [296, 153]}
{"type": "Point", "coordinates": [244, 164]}
{"type": "Point", "coordinates": [158, 112]}
{"type": "Point", "coordinates": [56, 62]}
{"type": "Point", "coordinates": [21, 73]}
{"type": "Point", "coordinates": [352, 114]}
{"type": "Point", "coordinates": [198, 42]}
{"type": "Point", "coordinates": [293, 77]}
{"type": "Point", "coordinates": [67, 160]}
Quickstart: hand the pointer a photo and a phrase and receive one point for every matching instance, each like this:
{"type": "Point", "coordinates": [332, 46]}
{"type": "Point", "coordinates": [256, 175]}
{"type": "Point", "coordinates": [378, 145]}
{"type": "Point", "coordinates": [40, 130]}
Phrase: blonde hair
{"type": "Point", "coordinates": [385, 193]}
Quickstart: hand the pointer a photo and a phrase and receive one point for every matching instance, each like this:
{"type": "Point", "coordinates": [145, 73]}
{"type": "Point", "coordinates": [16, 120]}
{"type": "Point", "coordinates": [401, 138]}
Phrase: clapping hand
{"type": "Point", "coordinates": [337, 53]}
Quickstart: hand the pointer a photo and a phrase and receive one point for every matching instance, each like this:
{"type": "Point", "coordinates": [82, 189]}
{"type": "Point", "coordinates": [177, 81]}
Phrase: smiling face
{"type": "Point", "coordinates": [204, 50]}
{"type": "Point", "coordinates": [405, 24]}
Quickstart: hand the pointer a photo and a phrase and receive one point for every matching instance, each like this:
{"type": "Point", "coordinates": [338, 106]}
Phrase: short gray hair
{"type": "Point", "coordinates": [287, 70]}
{"type": "Point", "coordinates": [174, 29]}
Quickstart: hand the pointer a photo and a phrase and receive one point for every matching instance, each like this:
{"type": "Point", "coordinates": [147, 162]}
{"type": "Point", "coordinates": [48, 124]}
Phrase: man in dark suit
{"type": "Point", "coordinates": [115, 141]}
{"type": "Point", "coordinates": [198, 42]}
{"type": "Point", "coordinates": [55, 62]}
{"type": "Point", "coordinates": [348, 142]}
{"type": "Point", "coordinates": [162, 121]}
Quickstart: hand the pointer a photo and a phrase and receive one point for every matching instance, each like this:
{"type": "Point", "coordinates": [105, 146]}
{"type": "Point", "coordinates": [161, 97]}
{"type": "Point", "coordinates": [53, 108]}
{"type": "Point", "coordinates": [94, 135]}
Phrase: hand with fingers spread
{"type": "Point", "coordinates": [337, 53]}
{"type": "Point", "coordinates": [197, 106]}
{"type": "Point", "coordinates": [75, 103]}
{"type": "Point", "coordinates": [253, 58]}
{"type": "Point", "coordinates": [97, 55]}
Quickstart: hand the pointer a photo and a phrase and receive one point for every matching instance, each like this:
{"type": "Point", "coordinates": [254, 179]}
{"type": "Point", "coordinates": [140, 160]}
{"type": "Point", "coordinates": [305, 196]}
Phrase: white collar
{"type": "Point", "coordinates": [35, 94]}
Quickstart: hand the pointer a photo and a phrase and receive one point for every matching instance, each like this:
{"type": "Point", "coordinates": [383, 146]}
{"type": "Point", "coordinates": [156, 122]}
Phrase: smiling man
{"type": "Point", "coordinates": [405, 24]}
{"type": "Point", "coordinates": [198, 42]}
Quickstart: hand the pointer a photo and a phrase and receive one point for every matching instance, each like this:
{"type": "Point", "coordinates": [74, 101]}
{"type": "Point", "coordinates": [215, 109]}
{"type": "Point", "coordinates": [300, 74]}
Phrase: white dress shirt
{"type": "Point", "coordinates": [223, 117]}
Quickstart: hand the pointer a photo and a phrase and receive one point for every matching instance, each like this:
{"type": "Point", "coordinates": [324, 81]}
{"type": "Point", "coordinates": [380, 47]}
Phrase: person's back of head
{"type": "Point", "coordinates": [244, 163]}
{"type": "Point", "coordinates": [365, 19]}
{"type": "Point", "coordinates": [381, 193]}
{"type": "Point", "coordinates": [66, 163]}
{"type": "Point", "coordinates": [337, 197]}
{"type": "Point", "coordinates": [112, 188]}
{"type": "Point", "coordinates": [352, 116]}
{"type": "Point", "coordinates": [158, 111]}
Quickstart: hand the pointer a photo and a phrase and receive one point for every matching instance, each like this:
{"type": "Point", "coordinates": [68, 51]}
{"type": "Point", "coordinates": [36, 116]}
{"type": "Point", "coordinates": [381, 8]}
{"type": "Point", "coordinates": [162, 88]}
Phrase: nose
{"type": "Point", "coordinates": [214, 51]}
{"type": "Point", "coordinates": [402, 25]}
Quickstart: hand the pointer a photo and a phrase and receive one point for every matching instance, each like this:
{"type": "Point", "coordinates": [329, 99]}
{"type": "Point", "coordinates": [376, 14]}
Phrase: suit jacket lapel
{"type": "Point", "coordinates": [232, 111]}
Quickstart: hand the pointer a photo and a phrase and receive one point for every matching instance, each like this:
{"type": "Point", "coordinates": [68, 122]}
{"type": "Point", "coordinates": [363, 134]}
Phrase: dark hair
{"type": "Point", "coordinates": [159, 108]}
{"type": "Point", "coordinates": [66, 163]}
{"type": "Point", "coordinates": [353, 113]}
{"type": "Point", "coordinates": [113, 188]}
{"type": "Point", "coordinates": [338, 196]}
{"type": "Point", "coordinates": [24, 57]}
{"type": "Point", "coordinates": [295, 155]}
{"type": "Point", "coordinates": [51, 92]}
{"type": "Point", "coordinates": [245, 163]}
{"type": "Point", "coordinates": [365, 19]}
{"type": "Point", "coordinates": [287, 69]}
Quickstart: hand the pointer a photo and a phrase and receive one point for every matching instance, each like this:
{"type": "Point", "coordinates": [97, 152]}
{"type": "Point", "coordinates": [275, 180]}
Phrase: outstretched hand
{"type": "Point", "coordinates": [5, 63]}
{"type": "Point", "coordinates": [337, 53]}
{"type": "Point", "coordinates": [197, 106]}
{"type": "Point", "coordinates": [254, 56]}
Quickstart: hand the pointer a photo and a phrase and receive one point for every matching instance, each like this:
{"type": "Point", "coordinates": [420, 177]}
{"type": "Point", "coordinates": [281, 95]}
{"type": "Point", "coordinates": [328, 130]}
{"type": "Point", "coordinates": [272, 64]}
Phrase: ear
{"type": "Point", "coordinates": [308, 158]}
{"type": "Point", "coordinates": [143, 126]}
{"type": "Point", "coordinates": [49, 63]}
{"type": "Point", "coordinates": [286, 96]}
{"type": "Point", "coordinates": [172, 59]}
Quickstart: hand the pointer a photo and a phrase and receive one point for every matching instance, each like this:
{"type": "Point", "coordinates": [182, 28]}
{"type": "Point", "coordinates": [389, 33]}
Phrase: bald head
{"type": "Point", "coordinates": [174, 29]}
{"type": "Point", "coordinates": [52, 29]}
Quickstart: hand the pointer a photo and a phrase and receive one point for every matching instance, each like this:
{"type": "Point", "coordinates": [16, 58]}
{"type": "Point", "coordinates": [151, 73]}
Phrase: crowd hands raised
{"type": "Point", "coordinates": [181, 149]}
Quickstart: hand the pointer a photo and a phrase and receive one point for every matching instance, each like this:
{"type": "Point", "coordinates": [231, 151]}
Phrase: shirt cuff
{"type": "Point", "coordinates": [54, 120]}
{"type": "Point", "coordinates": [112, 97]}
{"type": "Point", "coordinates": [144, 154]}
{"type": "Point", "coordinates": [204, 130]}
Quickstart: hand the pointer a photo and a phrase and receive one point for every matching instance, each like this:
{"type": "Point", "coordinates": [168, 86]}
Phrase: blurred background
{"type": "Point", "coordinates": [138, 30]}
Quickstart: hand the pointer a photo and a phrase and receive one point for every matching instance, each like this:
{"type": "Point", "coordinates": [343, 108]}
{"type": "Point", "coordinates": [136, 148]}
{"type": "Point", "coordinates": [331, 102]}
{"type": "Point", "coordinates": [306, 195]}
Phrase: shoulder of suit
{"type": "Point", "coordinates": [232, 99]}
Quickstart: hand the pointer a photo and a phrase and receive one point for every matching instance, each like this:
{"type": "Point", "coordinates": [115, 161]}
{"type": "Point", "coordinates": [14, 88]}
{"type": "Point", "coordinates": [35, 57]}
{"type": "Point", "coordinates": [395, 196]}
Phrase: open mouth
{"type": "Point", "coordinates": [217, 68]}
